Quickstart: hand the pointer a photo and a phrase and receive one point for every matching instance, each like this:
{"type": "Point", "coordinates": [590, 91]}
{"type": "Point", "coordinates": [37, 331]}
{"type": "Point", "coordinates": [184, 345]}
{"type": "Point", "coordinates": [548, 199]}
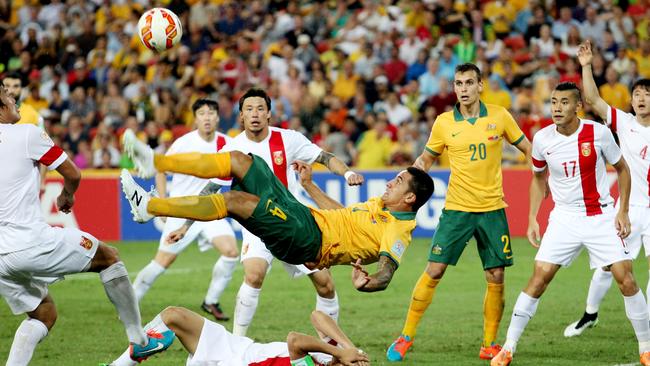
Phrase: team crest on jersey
{"type": "Point", "coordinates": [278, 159]}
{"type": "Point", "coordinates": [86, 243]}
{"type": "Point", "coordinates": [398, 249]}
{"type": "Point", "coordinates": [437, 250]}
{"type": "Point", "coordinates": [491, 127]}
{"type": "Point", "coordinates": [585, 149]}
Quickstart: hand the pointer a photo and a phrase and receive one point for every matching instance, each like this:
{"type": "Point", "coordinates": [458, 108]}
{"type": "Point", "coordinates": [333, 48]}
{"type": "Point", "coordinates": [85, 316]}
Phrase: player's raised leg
{"type": "Point", "coordinates": [326, 299]}
{"type": "Point", "coordinates": [144, 206]}
{"type": "Point", "coordinates": [218, 165]}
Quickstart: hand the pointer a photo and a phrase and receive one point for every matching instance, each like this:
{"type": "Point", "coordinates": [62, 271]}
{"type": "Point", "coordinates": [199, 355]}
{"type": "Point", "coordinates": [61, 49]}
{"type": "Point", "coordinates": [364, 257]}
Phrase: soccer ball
{"type": "Point", "coordinates": [159, 29]}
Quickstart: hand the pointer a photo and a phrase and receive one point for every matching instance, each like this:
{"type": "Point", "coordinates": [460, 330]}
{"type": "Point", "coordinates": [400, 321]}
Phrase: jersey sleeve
{"type": "Point", "coordinates": [300, 148]}
{"type": "Point", "coordinates": [436, 143]}
{"type": "Point", "coordinates": [41, 148]}
{"type": "Point", "coordinates": [511, 130]}
{"type": "Point", "coordinates": [611, 151]}
{"type": "Point", "coordinates": [616, 118]}
{"type": "Point", "coordinates": [395, 240]}
{"type": "Point", "coordinates": [539, 162]}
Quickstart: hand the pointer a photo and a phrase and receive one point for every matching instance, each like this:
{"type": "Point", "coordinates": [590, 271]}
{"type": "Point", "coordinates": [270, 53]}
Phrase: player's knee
{"type": "Point", "coordinates": [628, 285]}
{"type": "Point", "coordinates": [495, 275]}
{"type": "Point", "coordinates": [238, 158]}
{"type": "Point", "coordinates": [435, 271]}
{"type": "Point", "coordinates": [254, 278]}
{"type": "Point", "coordinates": [172, 315]}
{"type": "Point", "coordinates": [230, 252]}
{"type": "Point", "coordinates": [111, 254]}
{"type": "Point", "coordinates": [326, 289]}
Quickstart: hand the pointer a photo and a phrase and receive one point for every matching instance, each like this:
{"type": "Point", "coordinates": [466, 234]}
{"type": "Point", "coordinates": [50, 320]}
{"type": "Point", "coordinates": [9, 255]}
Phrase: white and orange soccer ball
{"type": "Point", "coordinates": [159, 29]}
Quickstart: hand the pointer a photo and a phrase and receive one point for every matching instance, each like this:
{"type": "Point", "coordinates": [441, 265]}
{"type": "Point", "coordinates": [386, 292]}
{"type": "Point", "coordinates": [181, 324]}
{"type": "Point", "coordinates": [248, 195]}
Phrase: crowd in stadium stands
{"type": "Point", "coordinates": [364, 79]}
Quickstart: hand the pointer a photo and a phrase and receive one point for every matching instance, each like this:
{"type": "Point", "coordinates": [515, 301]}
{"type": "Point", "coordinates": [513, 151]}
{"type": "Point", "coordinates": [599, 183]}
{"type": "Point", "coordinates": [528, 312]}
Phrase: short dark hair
{"type": "Point", "coordinates": [567, 85]}
{"type": "Point", "coordinates": [641, 83]}
{"type": "Point", "coordinates": [14, 75]}
{"type": "Point", "coordinates": [468, 66]}
{"type": "Point", "coordinates": [421, 184]}
{"type": "Point", "coordinates": [204, 101]}
{"type": "Point", "coordinates": [255, 92]}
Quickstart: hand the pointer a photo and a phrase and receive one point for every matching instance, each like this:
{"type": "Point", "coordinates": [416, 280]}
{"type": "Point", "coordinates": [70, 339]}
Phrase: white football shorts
{"type": "Point", "coordinates": [640, 235]}
{"type": "Point", "coordinates": [568, 233]}
{"type": "Point", "coordinates": [202, 231]}
{"type": "Point", "coordinates": [26, 274]}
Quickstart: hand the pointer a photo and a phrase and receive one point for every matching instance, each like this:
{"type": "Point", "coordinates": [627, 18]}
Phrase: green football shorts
{"type": "Point", "coordinates": [456, 228]}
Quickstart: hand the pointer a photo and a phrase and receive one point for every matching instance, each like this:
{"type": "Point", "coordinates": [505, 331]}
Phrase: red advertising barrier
{"type": "Point", "coordinates": [96, 208]}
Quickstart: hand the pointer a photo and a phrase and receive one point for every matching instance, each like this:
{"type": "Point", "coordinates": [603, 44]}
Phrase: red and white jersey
{"type": "Point", "coordinates": [279, 149]}
{"type": "Point", "coordinates": [22, 148]}
{"type": "Point", "coordinates": [634, 139]}
{"type": "Point", "coordinates": [188, 185]}
{"type": "Point", "coordinates": [578, 176]}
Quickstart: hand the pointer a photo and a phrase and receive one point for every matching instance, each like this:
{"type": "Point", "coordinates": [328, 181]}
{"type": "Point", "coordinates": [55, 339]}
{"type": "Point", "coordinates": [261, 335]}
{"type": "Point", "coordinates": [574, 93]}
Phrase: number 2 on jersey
{"type": "Point", "coordinates": [566, 168]}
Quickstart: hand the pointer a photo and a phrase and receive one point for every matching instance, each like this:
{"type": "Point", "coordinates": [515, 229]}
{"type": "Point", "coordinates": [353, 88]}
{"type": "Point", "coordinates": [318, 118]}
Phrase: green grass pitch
{"type": "Point", "coordinates": [88, 331]}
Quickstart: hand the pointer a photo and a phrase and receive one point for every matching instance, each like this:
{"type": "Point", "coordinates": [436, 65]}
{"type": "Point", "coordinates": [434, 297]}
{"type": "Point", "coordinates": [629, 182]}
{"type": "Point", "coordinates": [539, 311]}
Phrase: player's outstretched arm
{"type": "Point", "coordinates": [425, 160]}
{"type": "Point", "coordinates": [301, 344]}
{"type": "Point", "coordinates": [536, 193]}
{"type": "Point", "coordinates": [322, 200]}
{"type": "Point", "coordinates": [338, 167]}
{"type": "Point", "coordinates": [327, 327]}
{"type": "Point", "coordinates": [71, 178]}
{"type": "Point", "coordinates": [179, 233]}
{"type": "Point", "coordinates": [623, 225]}
{"type": "Point", "coordinates": [592, 97]}
{"type": "Point", "coordinates": [378, 281]}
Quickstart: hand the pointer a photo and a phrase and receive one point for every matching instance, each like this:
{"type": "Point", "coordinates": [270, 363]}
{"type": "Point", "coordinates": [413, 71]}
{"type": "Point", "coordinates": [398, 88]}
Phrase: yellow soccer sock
{"type": "Point", "coordinates": [200, 208]}
{"type": "Point", "coordinates": [196, 164]}
{"type": "Point", "coordinates": [492, 312]}
{"type": "Point", "coordinates": [420, 300]}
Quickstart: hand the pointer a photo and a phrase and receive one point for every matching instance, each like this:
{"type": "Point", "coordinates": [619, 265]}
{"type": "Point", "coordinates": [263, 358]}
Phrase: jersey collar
{"type": "Point", "coordinates": [458, 117]}
{"type": "Point", "coordinates": [403, 216]}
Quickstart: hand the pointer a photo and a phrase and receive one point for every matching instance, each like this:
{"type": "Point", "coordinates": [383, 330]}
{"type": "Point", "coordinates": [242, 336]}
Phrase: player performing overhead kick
{"type": "Point", "coordinates": [378, 230]}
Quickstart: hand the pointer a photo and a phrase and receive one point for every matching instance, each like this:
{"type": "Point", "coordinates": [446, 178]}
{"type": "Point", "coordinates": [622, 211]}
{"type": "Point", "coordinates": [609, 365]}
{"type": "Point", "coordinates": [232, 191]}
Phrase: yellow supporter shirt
{"type": "Point", "coordinates": [474, 147]}
{"type": "Point", "coordinates": [617, 96]}
{"type": "Point", "coordinates": [374, 151]}
{"type": "Point", "coordinates": [363, 231]}
{"type": "Point", "coordinates": [29, 115]}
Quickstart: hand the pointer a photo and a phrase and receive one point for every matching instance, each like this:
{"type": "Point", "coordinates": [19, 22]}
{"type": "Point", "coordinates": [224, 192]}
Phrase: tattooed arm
{"type": "Point", "coordinates": [336, 166]}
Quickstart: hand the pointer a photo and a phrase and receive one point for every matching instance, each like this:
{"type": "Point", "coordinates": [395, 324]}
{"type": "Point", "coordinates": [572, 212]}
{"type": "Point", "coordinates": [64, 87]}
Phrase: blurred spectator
{"type": "Point", "coordinates": [493, 93]}
{"type": "Point", "coordinates": [562, 25]}
{"type": "Point", "coordinates": [592, 27]}
{"type": "Point", "coordinates": [105, 155]}
{"type": "Point", "coordinates": [374, 146]}
{"type": "Point", "coordinates": [84, 157]}
{"type": "Point", "coordinates": [615, 93]}
{"type": "Point", "coordinates": [430, 80]}
{"type": "Point", "coordinates": [77, 132]}
{"type": "Point", "coordinates": [345, 86]}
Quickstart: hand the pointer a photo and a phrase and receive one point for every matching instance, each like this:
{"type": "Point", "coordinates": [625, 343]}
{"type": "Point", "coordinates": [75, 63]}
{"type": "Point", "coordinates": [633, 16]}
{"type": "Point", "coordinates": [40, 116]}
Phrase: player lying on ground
{"type": "Point", "coordinates": [378, 230]}
{"type": "Point", "coordinates": [34, 254]}
{"type": "Point", "coordinates": [574, 153]}
{"type": "Point", "coordinates": [209, 343]}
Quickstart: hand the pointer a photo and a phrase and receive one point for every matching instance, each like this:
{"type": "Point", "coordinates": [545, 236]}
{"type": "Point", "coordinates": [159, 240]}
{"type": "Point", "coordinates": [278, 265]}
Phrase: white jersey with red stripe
{"type": "Point", "coordinates": [188, 185]}
{"type": "Point", "coordinates": [23, 147]}
{"type": "Point", "coordinates": [634, 139]}
{"type": "Point", "coordinates": [279, 149]}
{"type": "Point", "coordinates": [578, 175]}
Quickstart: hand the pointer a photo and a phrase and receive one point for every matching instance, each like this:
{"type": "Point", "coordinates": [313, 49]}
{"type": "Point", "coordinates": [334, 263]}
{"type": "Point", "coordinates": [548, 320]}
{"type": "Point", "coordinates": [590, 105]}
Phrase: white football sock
{"type": "Point", "coordinates": [145, 279]}
{"type": "Point", "coordinates": [524, 309]}
{"type": "Point", "coordinates": [601, 281]}
{"type": "Point", "coordinates": [329, 306]}
{"type": "Point", "coordinates": [245, 307]}
{"type": "Point", "coordinates": [636, 310]}
{"type": "Point", "coordinates": [221, 276]}
{"type": "Point", "coordinates": [119, 290]}
{"type": "Point", "coordinates": [28, 335]}
{"type": "Point", "coordinates": [124, 360]}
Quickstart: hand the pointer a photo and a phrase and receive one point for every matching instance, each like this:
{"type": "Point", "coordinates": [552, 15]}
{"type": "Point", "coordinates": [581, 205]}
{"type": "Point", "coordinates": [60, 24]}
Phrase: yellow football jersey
{"type": "Point", "coordinates": [474, 148]}
{"type": "Point", "coordinates": [363, 231]}
{"type": "Point", "coordinates": [29, 115]}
